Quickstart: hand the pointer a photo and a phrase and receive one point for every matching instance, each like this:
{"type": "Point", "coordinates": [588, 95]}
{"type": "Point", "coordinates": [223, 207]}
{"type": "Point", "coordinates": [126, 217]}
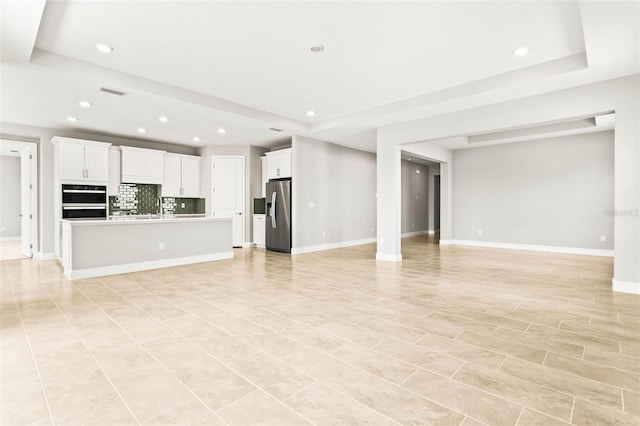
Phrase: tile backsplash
{"type": "Point", "coordinates": [183, 205]}
{"type": "Point", "coordinates": [134, 198]}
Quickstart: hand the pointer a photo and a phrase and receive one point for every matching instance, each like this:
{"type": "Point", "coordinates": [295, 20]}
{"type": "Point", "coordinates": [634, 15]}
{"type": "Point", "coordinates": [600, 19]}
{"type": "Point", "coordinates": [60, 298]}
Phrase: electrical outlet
{"type": "Point", "coordinates": [603, 238]}
{"type": "Point", "coordinates": [373, 230]}
{"type": "Point", "coordinates": [324, 234]}
{"type": "Point", "coordinates": [161, 246]}
{"type": "Point", "coordinates": [479, 231]}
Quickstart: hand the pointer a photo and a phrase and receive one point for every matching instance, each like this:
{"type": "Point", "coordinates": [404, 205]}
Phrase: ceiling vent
{"type": "Point", "coordinates": [112, 91]}
{"type": "Point", "coordinates": [275, 129]}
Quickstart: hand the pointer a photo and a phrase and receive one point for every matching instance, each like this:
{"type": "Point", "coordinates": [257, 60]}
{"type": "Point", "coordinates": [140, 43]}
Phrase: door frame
{"type": "Point", "coordinates": [33, 177]}
{"type": "Point", "coordinates": [243, 193]}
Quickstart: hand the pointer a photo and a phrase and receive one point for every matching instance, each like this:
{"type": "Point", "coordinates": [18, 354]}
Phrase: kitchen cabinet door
{"type": "Point", "coordinates": [191, 177]}
{"type": "Point", "coordinates": [259, 230]}
{"type": "Point", "coordinates": [71, 161]}
{"type": "Point", "coordinates": [96, 163]}
{"type": "Point", "coordinates": [141, 165]}
{"type": "Point", "coordinates": [113, 187]}
{"type": "Point", "coordinates": [171, 182]}
{"type": "Point", "coordinates": [279, 164]}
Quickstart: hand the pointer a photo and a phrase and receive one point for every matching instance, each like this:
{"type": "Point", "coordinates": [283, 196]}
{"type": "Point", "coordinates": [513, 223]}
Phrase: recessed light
{"type": "Point", "coordinates": [196, 139]}
{"type": "Point", "coordinates": [222, 130]}
{"type": "Point", "coordinates": [316, 48]}
{"type": "Point", "coordinates": [104, 48]}
{"type": "Point", "coordinates": [72, 119]}
{"type": "Point", "coordinates": [142, 130]}
{"type": "Point", "coordinates": [163, 119]}
{"type": "Point", "coordinates": [84, 104]}
{"type": "Point", "coordinates": [311, 113]}
{"type": "Point", "coordinates": [521, 51]}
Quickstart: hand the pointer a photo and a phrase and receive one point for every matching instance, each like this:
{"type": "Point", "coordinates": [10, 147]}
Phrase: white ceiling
{"type": "Point", "coordinates": [246, 66]}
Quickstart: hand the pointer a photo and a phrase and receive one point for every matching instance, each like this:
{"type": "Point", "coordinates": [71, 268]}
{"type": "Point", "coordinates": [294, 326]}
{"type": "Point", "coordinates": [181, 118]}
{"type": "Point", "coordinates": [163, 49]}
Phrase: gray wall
{"type": "Point", "coordinates": [553, 192]}
{"type": "Point", "coordinates": [415, 197]}
{"type": "Point", "coordinates": [9, 196]}
{"type": "Point", "coordinates": [342, 184]}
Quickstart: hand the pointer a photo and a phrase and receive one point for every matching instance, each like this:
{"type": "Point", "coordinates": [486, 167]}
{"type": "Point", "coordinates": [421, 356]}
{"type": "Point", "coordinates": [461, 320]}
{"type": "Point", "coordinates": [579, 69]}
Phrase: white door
{"type": "Point", "coordinates": [228, 193]}
{"type": "Point", "coordinates": [25, 201]}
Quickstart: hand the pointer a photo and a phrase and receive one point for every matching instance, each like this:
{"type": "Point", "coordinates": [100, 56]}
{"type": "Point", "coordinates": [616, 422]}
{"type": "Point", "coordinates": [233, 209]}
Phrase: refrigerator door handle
{"type": "Point", "coordinates": [272, 212]}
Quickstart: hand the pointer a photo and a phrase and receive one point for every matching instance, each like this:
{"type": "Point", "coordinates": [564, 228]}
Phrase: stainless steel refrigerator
{"type": "Point", "coordinates": [278, 221]}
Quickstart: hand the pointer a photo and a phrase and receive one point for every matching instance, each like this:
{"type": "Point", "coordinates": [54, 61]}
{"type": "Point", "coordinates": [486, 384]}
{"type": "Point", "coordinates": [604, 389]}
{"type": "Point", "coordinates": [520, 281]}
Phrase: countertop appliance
{"type": "Point", "coordinates": [278, 220]}
{"type": "Point", "coordinates": [84, 202]}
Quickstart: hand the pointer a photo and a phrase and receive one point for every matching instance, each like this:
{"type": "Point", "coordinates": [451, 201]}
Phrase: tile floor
{"type": "Point", "coordinates": [452, 335]}
{"type": "Point", "coordinates": [11, 250]}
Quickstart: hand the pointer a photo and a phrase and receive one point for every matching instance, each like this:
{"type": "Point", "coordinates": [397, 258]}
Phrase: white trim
{"type": "Point", "coordinates": [247, 244]}
{"type": "Point", "coordinates": [331, 246]}
{"type": "Point", "coordinates": [532, 247]}
{"type": "Point", "coordinates": [446, 242]}
{"type": "Point", "coordinates": [18, 238]}
{"type": "Point", "coordinates": [414, 234]}
{"type": "Point", "coordinates": [389, 257]}
{"type": "Point", "coordinates": [143, 266]}
{"type": "Point", "coordinates": [431, 232]}
{"type": "Point", "coordinates": [46, 256]}
{"type": "Point", "coordinates": [625, 286]}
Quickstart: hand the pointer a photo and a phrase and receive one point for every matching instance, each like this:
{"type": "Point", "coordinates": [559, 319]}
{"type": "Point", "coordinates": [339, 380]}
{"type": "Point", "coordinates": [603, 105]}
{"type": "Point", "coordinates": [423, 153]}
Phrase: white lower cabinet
{"type": "Point", "coordinates": [259, 230]}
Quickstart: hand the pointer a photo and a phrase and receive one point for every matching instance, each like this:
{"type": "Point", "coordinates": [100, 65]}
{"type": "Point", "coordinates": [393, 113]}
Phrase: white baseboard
{"type": "Point", "coordinates": [247, 244]}
{"type": "Point", "coordinates": [330, 246]}
{"type": "Point", "coordinates": [532, 247]}
{"type": "Point", "coordinates": [389, 257]}
{"type": "Point", "coordinates": [414, 233]}
{"type": "Point", "coordinates": [18, 238]}
{"type": "Point", "coordinates": [431, 232]}
{"type": "Point", "coordinates": [625, 286]}
{"type": "Point", "coordinates": [446, 242]}
{"type": "Point", "coordinates": [46, 256]}
{"type": "Point", "coordinates": [143, 266]}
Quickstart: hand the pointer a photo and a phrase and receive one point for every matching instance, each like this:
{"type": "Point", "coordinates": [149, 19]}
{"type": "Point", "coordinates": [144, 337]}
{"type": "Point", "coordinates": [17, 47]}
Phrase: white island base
{"type": "Point", "coordinates": [93, 248]}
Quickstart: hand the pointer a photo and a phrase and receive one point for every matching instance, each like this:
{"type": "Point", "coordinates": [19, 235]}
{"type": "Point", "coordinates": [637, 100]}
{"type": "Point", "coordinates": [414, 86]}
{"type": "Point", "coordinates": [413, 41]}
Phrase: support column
{"type": "Point", "coordinates": [389, 201]}
{"type": "Point", "coordinates": [626, 264]}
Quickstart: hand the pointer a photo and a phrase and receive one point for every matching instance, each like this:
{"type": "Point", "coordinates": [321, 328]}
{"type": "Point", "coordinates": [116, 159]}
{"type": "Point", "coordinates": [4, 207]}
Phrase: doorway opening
{"type": "Point", "coordinates": [18, 203]}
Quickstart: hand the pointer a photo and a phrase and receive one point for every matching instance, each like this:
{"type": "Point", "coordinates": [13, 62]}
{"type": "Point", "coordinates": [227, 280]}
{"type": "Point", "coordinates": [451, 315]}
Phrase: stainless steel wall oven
{"type": "Point", "coordinates": [84, 202]}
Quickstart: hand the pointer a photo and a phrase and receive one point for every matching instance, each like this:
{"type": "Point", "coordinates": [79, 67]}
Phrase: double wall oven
{"type": "Point", "coordinates": [84, 202]}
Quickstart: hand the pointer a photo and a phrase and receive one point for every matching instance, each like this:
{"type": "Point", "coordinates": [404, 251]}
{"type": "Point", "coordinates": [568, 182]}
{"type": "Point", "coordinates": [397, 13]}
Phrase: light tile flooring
{"type": "Point", "coordinates": [11, 250]}
{"type": "Point", "coordinates": [452, 335]}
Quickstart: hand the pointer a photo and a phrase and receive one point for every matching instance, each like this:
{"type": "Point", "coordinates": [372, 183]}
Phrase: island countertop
{"type": "Point", "coordinates": [140, 220]}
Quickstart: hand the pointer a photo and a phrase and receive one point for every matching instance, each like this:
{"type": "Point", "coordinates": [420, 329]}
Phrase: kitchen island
{"type": "Point", "coordinates": [93, 248]}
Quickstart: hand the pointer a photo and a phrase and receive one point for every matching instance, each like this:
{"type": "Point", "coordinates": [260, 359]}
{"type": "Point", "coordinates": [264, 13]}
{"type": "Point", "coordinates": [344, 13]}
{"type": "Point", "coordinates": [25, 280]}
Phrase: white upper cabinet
{"type": "Point", "coordinates": [141, 165]}
{"type": "Point", "coordinates": [279, 164]}
{"type": "Point", "coordinates": [113, 187]}
{"type": "Point", "coordinates": [80, 160]}
{"type": "Point", "coordinates": [181, 176]}
{"type": "Point", "coordinates": [172, 182]}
